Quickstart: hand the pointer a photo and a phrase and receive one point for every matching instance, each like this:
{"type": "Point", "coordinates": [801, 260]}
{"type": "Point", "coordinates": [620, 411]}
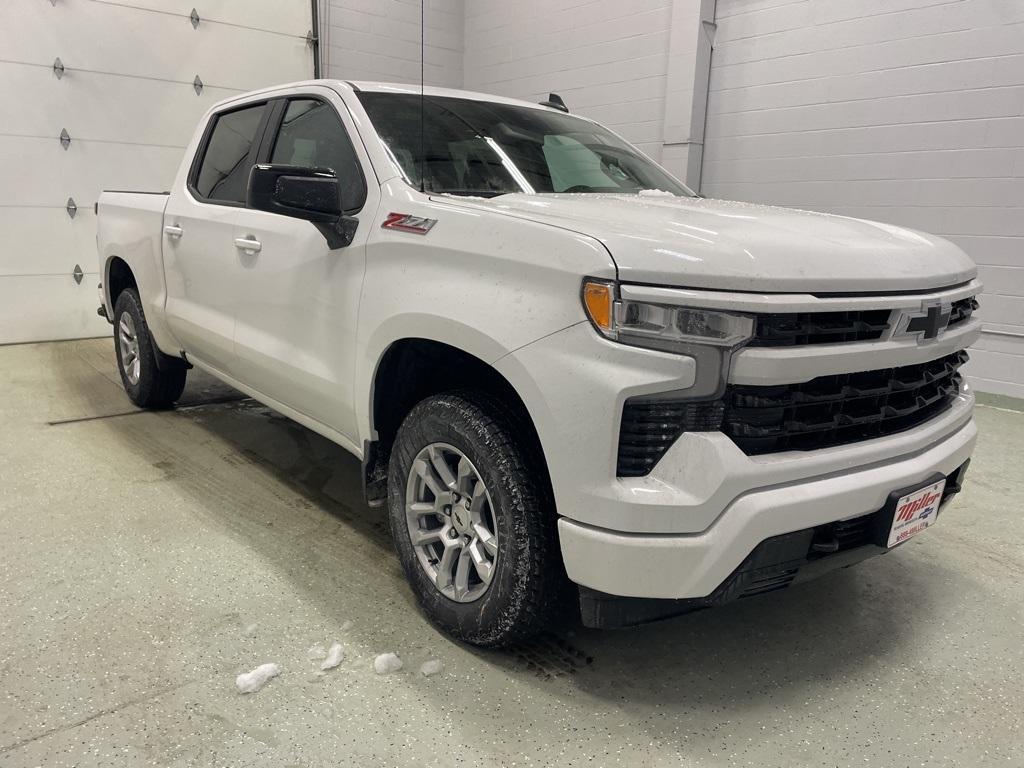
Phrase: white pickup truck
{"type": "Point", "coordinates": [576, 385]}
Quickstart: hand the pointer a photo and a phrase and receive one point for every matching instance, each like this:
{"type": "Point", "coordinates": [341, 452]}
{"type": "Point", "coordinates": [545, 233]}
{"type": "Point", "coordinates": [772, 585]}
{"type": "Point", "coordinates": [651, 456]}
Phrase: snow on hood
{"type": "Point", "coordinates": [699, 243]}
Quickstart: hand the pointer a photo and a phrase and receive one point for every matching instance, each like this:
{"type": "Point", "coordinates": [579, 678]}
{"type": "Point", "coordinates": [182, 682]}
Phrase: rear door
{"type": "Point", "coordinates": [297, 299]}
{"type": "Point", "coordinates": [200, 259]}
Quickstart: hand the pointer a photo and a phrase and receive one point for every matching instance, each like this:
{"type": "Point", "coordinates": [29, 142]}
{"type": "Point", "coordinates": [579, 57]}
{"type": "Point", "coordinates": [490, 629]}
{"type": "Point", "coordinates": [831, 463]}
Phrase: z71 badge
{"type": "Point", "coordinates": [405, 222]}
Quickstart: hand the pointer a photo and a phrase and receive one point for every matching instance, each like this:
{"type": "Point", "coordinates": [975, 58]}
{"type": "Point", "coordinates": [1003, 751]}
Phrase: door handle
{"type": "Point", "coordinates": [173, 231]}
{"type": "Point", "coordinates": [249, 244]}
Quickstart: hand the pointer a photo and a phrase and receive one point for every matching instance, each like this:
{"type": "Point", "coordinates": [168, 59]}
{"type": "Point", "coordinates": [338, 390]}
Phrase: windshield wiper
{"type": "Point", "coordinates": [468, 192]}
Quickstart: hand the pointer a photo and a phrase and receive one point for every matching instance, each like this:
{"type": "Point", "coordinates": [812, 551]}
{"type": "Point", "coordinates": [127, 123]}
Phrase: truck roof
{"type": "Point", "coordinates": [385, 87]}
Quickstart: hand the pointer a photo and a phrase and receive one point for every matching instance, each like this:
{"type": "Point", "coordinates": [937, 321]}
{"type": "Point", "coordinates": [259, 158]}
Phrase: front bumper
{"type": "Point", "coordinates": [680, 530]}
{"type": "Point", "coordinates": [695, 565]}
{"type": "Point", "coordinates": [776, 563]}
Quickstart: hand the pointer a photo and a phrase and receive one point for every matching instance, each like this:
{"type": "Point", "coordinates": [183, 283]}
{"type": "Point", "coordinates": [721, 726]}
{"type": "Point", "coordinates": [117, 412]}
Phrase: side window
{"type": "Point", "coordinates": [312, 136]}
{"type": "Point", "coordinates": [224, 171]}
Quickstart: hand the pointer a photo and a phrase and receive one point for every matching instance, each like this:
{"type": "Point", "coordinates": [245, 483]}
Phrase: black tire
{"type": "Point", "coordinates": [528, 585]}
{"type": "Point", "coordinates": [157, 387]}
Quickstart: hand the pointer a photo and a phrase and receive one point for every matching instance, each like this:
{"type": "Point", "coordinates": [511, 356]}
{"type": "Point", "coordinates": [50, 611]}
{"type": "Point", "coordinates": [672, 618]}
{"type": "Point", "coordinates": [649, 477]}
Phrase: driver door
{"type": "Point", "coordinates": [298, 300]}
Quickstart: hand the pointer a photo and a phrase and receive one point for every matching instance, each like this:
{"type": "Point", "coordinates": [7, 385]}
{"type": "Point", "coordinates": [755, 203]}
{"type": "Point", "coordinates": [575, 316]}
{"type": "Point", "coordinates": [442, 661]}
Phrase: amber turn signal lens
{"type": "Point", "coordinates": [598, 300]}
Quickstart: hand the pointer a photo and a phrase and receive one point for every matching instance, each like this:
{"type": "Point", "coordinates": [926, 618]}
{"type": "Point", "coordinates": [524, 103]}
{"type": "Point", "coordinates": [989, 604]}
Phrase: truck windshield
{"type": "Point", "coordinates": [485, 149]}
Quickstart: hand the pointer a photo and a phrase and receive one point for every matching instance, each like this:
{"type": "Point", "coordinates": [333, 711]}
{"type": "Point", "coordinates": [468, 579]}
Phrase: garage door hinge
{"type": "Point", "coordinates": [58, 68]}
{"type": "Point", "coordinates": [71, 207]}
{"type": "Point", "coordinates": [198, 85]}
{"type": "Point", "coordinates": [78, 274]}
{"type": "Point", "coordinates": [311, 39]}
{"type": "Point", "coordinates": [65, 138]}
{"type": "Point", "coordinates": [194, 17]}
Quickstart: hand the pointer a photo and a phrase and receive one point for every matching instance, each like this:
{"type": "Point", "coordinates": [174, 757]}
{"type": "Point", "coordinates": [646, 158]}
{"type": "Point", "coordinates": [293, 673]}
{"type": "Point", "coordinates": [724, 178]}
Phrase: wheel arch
{"type": "Point", "coordinates": [117, 276]}
{"type": "Point", "coordinates": [413, 368]}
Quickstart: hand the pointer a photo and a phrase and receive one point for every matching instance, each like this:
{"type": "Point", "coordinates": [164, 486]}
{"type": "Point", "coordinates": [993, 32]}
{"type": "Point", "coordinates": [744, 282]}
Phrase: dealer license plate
{"type": "Point", "coordinates": [915, 512]}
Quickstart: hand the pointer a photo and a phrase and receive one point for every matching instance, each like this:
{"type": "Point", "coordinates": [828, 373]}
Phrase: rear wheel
{"type": "Point", "coordinates": [473, 521]}
{"type": "Point", "coordinates": [148, 385]}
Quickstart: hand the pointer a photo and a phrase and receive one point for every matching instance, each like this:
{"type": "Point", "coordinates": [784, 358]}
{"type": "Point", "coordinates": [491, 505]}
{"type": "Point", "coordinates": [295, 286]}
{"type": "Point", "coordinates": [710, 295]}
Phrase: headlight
{"type": "Point", "coordinates": [661, 326]}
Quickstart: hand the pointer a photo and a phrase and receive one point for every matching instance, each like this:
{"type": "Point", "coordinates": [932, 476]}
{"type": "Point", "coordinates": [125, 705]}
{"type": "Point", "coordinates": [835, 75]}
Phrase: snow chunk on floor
{"type": "Point", "coordinates": [316, 653]}
{"type": "Point", "coordinates": [334, 657]}
{"type": "Point", "coordinates": [386, 662]}
{"type": "Point", "coordinates": [655, 193]}
{"type": "Point", "coordinates": [431, 667]}
{"type": "Point", "coordinates": [250, 682]}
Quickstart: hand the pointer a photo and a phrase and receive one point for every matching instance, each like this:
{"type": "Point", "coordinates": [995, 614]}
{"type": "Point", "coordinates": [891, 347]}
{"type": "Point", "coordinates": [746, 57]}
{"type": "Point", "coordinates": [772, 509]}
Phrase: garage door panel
{"type": "Point", "coordinates": [46, 241]}
{"type": "Point", "coordinates": [1001, 310]}
{"type": "Point", "coordinates": [996, 102]}
{"type": "Point", "coordinates": [111, 38]}
{"type": "Point", "coordinates": [806, 36]}
{"type": "Point", "coordinates": [126, 99]}
{"type": "Point", "coordinates": [738, 19]}
{"type": "Point", "coordinates": [994, 365]}
{"type": "Point", "coordinates": [976, 73]}
{"type": "Point", "coordinates": [1004, 339]}
{"type": "Point", "coordinates": [907, 112]}
{"type": "Point", "coordinates": [49, 307]}
{"type": "Point", "coordinates": [802, 193]}
{"type": "Point", "coordinates": [291, 17]}
{"type": "Point", "coordinates": [960, 163]}
{"type": "Point", "coordinates": [147, 112]}
{"type": "Point", "coordinates": [49, 174]}
{"type": "Point", "coordinates": [895, 54]}
{"type": "Point", "coordinates": [996, 133]}
{"type": "Point", "coordinates": [992, 249]}
{"type": "Point", "coordinates": [1005, 281]}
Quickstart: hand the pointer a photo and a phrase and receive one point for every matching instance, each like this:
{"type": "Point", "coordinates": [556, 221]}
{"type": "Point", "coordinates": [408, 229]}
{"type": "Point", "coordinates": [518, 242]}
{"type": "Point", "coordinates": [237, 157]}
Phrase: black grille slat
{"type": "Point", "coordinates": [649, 428]}
{"type": "Point", "coordinates": [962, 310]}
{"type": "Point", "coordinates": [793, 329]}
{"type": "Point", "coordinates": [842, 409]}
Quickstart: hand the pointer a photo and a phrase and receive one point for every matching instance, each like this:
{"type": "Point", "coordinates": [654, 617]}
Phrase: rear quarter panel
{"type": "Point", "coordinates": [130, 227]}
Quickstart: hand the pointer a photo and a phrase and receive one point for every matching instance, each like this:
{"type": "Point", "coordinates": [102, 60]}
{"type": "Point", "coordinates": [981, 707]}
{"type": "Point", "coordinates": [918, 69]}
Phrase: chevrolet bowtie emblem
{"type": "Point", "coordinates": [931, 323]}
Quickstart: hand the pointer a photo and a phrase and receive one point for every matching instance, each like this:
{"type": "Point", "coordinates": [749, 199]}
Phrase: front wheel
{"type": "Point", "coordinates": [147, 385]}
{"type": "Point", "coordinates": [472, 520]}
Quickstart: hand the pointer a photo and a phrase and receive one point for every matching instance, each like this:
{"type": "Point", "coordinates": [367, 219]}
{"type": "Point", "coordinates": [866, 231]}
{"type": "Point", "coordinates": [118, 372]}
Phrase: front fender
{"type": "Point", "coordinates": [416, 325]}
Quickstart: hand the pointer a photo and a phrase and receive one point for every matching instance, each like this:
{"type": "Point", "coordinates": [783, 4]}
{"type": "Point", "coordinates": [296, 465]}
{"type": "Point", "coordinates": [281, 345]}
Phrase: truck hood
{"type": "Point", "coordinates": [698, 243]}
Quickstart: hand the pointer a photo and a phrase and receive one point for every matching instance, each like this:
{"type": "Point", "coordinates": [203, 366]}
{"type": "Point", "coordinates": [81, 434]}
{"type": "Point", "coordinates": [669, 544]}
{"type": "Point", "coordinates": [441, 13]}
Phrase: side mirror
{"type": "Point", "coordinates": [312, 194]}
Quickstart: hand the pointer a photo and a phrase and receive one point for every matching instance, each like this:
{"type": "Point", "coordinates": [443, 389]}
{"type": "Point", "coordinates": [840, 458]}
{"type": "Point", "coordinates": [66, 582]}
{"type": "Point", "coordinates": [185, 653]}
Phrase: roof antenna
{"type": "Point", "coordinates": [555, 101]}
{"type": "Point", "coordinates": [422, 152]}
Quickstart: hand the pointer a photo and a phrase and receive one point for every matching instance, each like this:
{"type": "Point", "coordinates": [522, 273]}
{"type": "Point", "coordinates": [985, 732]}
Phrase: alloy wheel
{"type": "Point", "coordinates": [451, 522]}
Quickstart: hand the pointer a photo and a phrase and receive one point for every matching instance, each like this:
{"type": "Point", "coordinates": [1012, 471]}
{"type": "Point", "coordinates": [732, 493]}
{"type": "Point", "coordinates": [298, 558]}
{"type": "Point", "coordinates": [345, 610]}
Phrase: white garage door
{"type": "Point", "coordinates": [128, 102]}
{"type": "Point", "coordinates": [907, 111]}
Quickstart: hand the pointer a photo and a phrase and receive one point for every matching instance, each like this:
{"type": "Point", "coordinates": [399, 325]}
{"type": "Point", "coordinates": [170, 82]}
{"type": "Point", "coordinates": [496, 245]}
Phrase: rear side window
{"type": "Point", "coordinates": [312, 136]}
{"type": "Point", "coordinates": [224, 172]}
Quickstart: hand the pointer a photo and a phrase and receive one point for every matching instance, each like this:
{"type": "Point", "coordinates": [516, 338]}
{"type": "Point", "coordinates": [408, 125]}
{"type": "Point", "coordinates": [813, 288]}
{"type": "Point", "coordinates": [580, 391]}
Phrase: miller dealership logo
{"type": "Point", "coordinates": [926, 324]}
{"type": "Point", "coordinates": [923, 507]}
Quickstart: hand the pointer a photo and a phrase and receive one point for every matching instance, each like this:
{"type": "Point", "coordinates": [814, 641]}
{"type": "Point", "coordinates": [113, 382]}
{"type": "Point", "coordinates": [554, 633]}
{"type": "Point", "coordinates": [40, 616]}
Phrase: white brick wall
{"type": "Point", "coordinates": [608, 59]}
{"type": "Point", "coordinates": [380, 40]}
{"type": "Point", "coordinates": [906, 111]}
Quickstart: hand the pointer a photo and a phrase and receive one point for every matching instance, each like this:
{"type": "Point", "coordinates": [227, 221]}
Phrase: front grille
{"type": "Point", "coordinates": [836, 410]}
{"type": "Point", "coordinates": [649, 427]}
{"type": "Point", "coordinates": [962, 310]}
{"type": "Point", "coordinates": [793, 329]}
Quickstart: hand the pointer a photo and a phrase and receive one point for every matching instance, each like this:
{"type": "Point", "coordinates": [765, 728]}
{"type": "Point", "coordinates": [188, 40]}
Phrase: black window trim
{"type": "Point", "coordinates": [204, 143]}
{"type": "Point", "coordinates": [273, 128]}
